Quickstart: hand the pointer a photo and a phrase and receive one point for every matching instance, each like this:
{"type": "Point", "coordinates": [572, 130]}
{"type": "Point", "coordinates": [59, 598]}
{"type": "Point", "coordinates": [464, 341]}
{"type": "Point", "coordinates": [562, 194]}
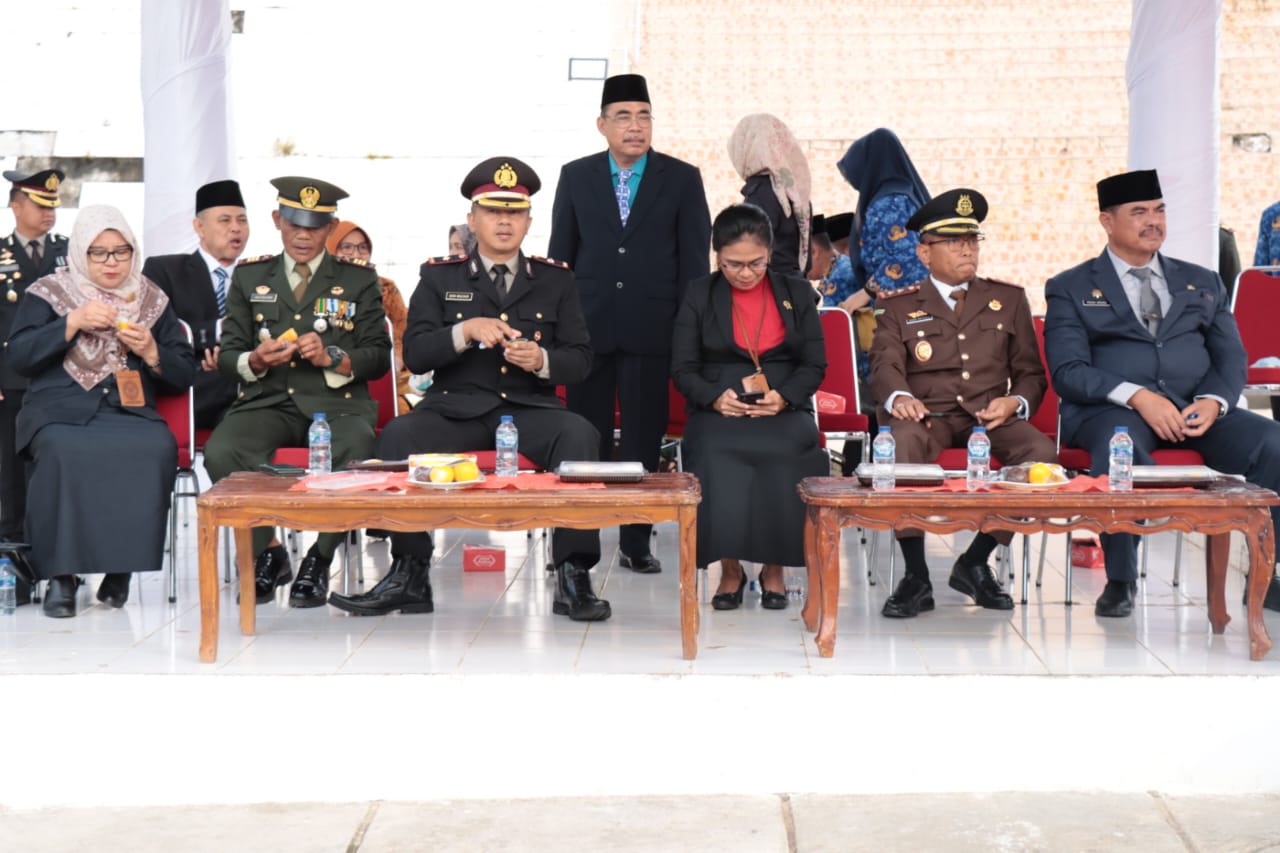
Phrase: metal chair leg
{"type": "Point", "coordinates": [1146, 546]}
{"type": "Point", "coordinates": [1026, 565]}
{"type": "Point", "coordinates": [1177, 559]}
{"type": "Point", "coordinates": [1068, 601]}
{"type": "Point", "coordinates": [1044, 541]}
{"type": "Point", "coordinates": [893, 553]}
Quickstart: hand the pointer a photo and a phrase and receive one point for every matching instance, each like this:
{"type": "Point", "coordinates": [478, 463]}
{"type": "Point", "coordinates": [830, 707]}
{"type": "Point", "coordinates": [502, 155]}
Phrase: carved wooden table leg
{"type": "Point", "coordinates": [244, 565]}
{"type": "Point", "coordinates": [208, 591]}
{"type": "Point", "coordinates": [1262, 561]}
{"type": "Point", "coordinates": [813, 592]}
{"type": "Point", "coordinates": [1217, 554]}
{"type": "Point", "coordinates": [689, 616]}
{"type": "Point", "coordinates": [828, 543]}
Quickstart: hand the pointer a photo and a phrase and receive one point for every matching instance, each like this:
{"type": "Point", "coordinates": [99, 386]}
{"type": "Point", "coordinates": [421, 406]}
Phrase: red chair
{"type": "Point", "coordinates": [841, 378]}
{"type": "Point", "coordinates": [1256, 304]}
{"type": "Point", "coordinates": [677, 417]}
{"type": "Point", "coordinates": [178, 411]}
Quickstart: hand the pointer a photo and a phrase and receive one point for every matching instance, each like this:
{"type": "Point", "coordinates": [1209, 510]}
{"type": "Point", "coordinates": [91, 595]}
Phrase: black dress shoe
{"type": "Point", "coordinates": [114, 589]}
{"type": "Point", "coordinates": [311, 589]}
{"type": "Point", "coordinates": [912, 596]}
{"type": "Point", "coordinates": [60, 597]}
{"type": "Point", "coordinates": [975, 580]}
{"type": "Point", "coordinates": [574, 597]}
{"type": "Point", "coordinates": [644, 565]}
{"type": "Point", "coordinates": [270, 570]}
{"type": "Point", "coordinates": [730, 600]}
{"type": "Point", "coordinates": [1117, 599]}
{"type": "Point", "coordinates": [771, 600]}
{"type": "Point", "coordinates": [1272, 599]}
{"type": "Point", "coordinates": [406, 588]}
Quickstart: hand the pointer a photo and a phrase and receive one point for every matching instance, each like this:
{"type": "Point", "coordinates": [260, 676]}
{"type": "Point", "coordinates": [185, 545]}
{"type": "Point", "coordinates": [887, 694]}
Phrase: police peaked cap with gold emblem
{"type": "Point", "coordinates": [503, 182]}
{"type": "Point", "coordinates": [307, 202]}
{"type": "Point", "coordinates": [42, 187]}
{"type": "Point", "coordinates": [957, 211]}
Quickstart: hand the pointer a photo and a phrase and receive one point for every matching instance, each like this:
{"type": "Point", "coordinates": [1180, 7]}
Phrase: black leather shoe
{"type": "Point", "coordinates": [311, 589]}
{"type": "Point", "coordinates": [574, 597]}
{"type": "Point", "coordinates": [771, 600]}
{"type": "Point", "coordinates": [976, 581]}
{"type": "Point", "coordinates": [1117, 599]}
{"type": "Point", "coordinates": [730, 600]}
{"type": "Point", "coordinates": [912, 596]}
{"type": "Point", "coordinates": [406, 588]}
{"type": "Point", "coordinates": [114, 589]}
{"type": "Point", "coordinates": [60, 597]}
{"type": "Point", "coordinates": [270, 570]}
{"type": "Point", "coordinates": [644, 565]}
{"type": "Point", "coordinates": [1272, 600]}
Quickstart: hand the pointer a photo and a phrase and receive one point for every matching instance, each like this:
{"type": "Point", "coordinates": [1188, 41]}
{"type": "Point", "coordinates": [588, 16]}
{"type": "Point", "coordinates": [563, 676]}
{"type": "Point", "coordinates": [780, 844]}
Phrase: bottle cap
{"type": "Point", "coordinates": [884, 429]}
{"type": "Point", "coordinates": [506, 419]}
{"type": "Point", "coordinates": [317, 416]}
{"type": "Point", "coordinates": [979, 428]}
{"type": "Point", "coordinates": [1122, 429]}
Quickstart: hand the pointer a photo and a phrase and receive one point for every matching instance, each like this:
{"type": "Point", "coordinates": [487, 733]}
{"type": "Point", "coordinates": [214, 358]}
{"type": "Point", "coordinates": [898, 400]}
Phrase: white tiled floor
{"type": "Point", "coordinates": [502, 623]}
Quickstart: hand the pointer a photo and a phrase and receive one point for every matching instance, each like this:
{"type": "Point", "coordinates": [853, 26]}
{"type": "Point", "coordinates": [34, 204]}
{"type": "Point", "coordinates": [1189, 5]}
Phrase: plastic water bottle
{"type": "Point", "coordinates": [320, 444]}
{"type": "Point", "coordinates": [507, 442]}
{"type": "Point", "coordinates": [979, 470]}
{"type": "Point", "coordinates": [8, 587]}
{"type": "Point", "coordinates": [883, 451]}
{"type": "Point", "coordinates": [1120, 471]}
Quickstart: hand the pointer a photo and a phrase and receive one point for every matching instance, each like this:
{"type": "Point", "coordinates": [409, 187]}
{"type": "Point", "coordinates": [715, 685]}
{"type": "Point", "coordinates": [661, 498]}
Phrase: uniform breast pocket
{"type": "Point", "coordinates": [997, 329]}
{"type": "Point", "coordinates": [267, 315]}
{"type": "Point", "coordinates": [536, 322]}
{"type": "Point", "coordinates": [460, 312]}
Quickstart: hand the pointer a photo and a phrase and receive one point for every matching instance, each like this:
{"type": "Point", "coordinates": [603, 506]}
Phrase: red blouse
{"type": "Point", "coordinates": [747, 308]}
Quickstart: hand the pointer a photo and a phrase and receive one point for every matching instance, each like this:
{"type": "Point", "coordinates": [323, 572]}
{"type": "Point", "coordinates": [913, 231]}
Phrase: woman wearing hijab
{"type": "Point", "coordinates": [768, 157]}
{"type": "Point", "coordinates": [890, 191]}
{"type": "Point", "coordinates": [748, 355]}
{"type": "Point", "coordinates": [351, 242]}
{"type": "Point", "coordinates": [98, 342]}
{"type": "Point", "coordinates": [461, 239]}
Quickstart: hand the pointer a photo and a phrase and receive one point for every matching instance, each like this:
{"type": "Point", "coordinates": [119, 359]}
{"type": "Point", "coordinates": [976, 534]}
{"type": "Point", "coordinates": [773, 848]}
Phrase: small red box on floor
{"type": "Point", "coordinates": [1087, 553]}
{"type": "Point", "coordinates": [483, 558]}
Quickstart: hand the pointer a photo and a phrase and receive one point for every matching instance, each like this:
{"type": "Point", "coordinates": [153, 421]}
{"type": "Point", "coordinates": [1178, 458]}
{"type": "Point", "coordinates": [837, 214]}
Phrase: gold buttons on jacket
{"type": "Point", "coordinates": [919, 334]}
{"type": "Point", "coordinates": [503, 317]}
{"type": "Point", "coordinates": [538, 315]}
{"type": "Point", "coordinates": [964, 356]}
{"type": "Point", "coordinates": [290, 390]}
{"type": "Point", "coordinates": [960, 336]}
{"type": "Point", "coordinates": [293, 364]}
{"type": "Point", "coordinates": [346, 396]}
{"type": "Point", "coordinates": [257, 318]}
{"type": "Point", "coordinates": [959, 398]}
{"type": "Point", "coordinates": [459, 315]}
{"type": "Point", "coordinates": [503, 370]}
{"type": "Point", "coordinates": [999, 325]}
{"type": "Point", "coordinates": [503, 395]}
{"type": "Point", "coordinates": [297, 316]}
{"type": "Point", "coordinates": [964, 375]}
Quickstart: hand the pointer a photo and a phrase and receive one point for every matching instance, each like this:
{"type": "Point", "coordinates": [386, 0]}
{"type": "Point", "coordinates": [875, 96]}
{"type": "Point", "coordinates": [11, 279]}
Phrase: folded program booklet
{"type": "Point", "coordinates": [905, 474]}
{"type": "Point", "coordinates": [601, 472]}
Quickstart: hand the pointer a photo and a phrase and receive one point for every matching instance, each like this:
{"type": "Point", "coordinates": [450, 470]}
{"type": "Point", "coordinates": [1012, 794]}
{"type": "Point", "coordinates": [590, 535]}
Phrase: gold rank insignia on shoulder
{"type": "Point", "coordinates": [964, 206]}
{"type": "Point", "coordinates": [506, 176]}
{"type": "Point", "coordinates": [995, 305]}
{"type": "Point", "coordinates": [902, 291]}
{"type": "Point", "coordinates": [447, 259]}
{"type": "Point", "coordinates": [255, 260]}
{"type": "Point", "coordinates": [549, 262]}
{"type": "Point", "coordinates": [262, 288]}
{"type": "Point", "coordinates": [355, 262]}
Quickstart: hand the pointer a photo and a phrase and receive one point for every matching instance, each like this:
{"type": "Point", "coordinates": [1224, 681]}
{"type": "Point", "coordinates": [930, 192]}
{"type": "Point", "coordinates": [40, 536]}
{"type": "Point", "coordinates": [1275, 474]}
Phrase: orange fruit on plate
{"type": "Point", "coordinates": [464, 472]}
{"type": "Point", "coordinates": [441, 474]}
{"type": "Point", "coordinates": [1041, 473]}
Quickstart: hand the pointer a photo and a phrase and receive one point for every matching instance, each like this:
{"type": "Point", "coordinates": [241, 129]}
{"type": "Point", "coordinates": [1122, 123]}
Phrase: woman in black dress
{"type": "Point", "coordinates": [744, 329]}
{"type": "Point", "coordinates": [98, 342]}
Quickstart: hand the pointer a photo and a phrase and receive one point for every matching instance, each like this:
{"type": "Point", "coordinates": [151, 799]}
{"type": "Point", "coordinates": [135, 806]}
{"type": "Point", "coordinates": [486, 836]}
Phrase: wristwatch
{"type": "Point", "coordinates": [337, 354]}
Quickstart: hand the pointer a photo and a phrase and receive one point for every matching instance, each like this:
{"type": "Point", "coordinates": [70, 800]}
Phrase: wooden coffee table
{"type": "Point", "coordinates": [1225, 505]}
{"type": "Point", "coordinates": [249, 499]}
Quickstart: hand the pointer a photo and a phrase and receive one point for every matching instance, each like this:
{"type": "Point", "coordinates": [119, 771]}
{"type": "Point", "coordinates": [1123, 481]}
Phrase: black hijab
{"type": "Point", "coordinates": [877, 165]}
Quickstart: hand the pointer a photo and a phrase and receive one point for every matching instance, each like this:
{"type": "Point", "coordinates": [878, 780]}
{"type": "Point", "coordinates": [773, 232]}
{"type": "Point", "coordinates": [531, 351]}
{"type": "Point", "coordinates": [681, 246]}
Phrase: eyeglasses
{"type": "Point", "coordinates": [955, 244]}
{"type": "Point", "coordinates": [734, 267]}
{"type": "Point", "coordinates": [99, 255]}
{"type": "Point", "coordinates": [627, 119]}
{"type": "Point", "coordinates": [354, 247]}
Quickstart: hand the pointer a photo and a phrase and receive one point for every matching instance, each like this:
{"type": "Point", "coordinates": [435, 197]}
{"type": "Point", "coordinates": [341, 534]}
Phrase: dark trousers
{"type": "Point", "coordinates": [247, 438]}
{"type": "Point", "coordinates": [13, 469]}
{"type": "Point", "coordinates": [1240, 442]}
{"type": "Point", "coordinates": [547, 437]}
{"type": "Point", "coordinates": [639, 384]}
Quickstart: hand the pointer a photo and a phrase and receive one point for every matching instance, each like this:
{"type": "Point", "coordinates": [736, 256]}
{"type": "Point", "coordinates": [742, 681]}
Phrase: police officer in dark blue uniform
{"type": "Point", "coordinates": [501, 330]}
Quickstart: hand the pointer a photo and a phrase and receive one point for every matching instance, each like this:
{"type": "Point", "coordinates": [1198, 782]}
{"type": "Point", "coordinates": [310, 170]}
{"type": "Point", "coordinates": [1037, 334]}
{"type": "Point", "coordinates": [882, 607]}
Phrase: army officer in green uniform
{"type": "Point", "coordinates": [304, 333]}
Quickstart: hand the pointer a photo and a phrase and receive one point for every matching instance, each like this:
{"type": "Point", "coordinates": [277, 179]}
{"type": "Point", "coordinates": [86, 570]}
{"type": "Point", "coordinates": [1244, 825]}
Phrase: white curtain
{"type": "Point", "coordinates": [186, 114]}
{"type": "Point", "coordinates": [1172, 75]}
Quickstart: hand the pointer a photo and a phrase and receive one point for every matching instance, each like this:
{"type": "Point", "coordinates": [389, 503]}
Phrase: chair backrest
{"type": "Point", "coordinates": [179, 412]}
{"type": "Point", "coordinates": [383, 389]}
{"type": "Point", "coordinates": [1256, 305]}
{"type": "Point", "coordinates": [842, 367]}
{"type": "Point", "coordinates": [1045, 418]}
{"type": "Point", "coordinates": [677, 410]}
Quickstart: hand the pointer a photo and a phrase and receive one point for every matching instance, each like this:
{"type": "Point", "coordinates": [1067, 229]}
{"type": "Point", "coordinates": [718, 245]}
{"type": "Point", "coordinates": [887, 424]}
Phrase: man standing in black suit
{"type": "Point", "coordinates": [30, 252]}
{"type": "Point", "coordinates": [196, 284]}
{"type": "Point", "coordinates": [634, 226]}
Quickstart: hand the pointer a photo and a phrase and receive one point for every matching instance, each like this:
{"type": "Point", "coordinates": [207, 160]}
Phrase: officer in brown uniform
{"type": "Point", "coordinates": [950, 353]}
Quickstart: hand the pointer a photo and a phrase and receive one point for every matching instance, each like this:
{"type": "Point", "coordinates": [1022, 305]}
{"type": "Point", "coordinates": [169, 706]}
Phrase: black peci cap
{"type": "Point", "coordinates": [1129, 187]}
{"type": "Point", "coordinates": [219, 194]}
{"type": "Point", "coordinates": [624, 87]}
{"type": "Point", "coordinates": [839, 226]}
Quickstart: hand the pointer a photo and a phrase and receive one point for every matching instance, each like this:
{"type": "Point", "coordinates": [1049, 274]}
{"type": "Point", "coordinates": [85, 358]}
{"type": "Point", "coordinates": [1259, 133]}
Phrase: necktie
{"type": "Point", "coordinates": [623, 192]}
{"type": "Point", "coordinates": [1148, 302]}
{"type": "Point", "coordinates": [220, 290]}
{"type": "Point", "coordinates": [499, 272]}
{"type": "Point", "coordinates": [34, 246]}
{"type": "Point", "coordinates": [304, 276]}
{"type": "Point", "coordinates": [957, 294]}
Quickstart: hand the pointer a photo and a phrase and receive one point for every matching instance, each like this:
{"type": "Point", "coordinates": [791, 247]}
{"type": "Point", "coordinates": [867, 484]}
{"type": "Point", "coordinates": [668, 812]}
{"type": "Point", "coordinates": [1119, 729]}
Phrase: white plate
{"type": "Point", "coordinates": [444, 487]}
{"type": "Point", "coordinates": [1027, 487]}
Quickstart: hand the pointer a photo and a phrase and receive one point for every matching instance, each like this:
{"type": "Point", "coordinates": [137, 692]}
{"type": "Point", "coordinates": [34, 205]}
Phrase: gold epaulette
{"type": "Point", "coordinates": [447, 259]}
{"type": "Point", "coordinates": [901, 291]}
{"type": "Point", "coordinates": [355, 262]}
{"type": "Point", "coordinates": [549, 262]}
{"type": "Point", "coordinates": [257, 260]}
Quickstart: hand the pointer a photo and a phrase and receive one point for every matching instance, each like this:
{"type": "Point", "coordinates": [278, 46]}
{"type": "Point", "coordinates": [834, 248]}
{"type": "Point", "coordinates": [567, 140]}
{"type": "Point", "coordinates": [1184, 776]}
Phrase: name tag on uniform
{"type": "Point", "coordinates": [263, 297]}
{"type": "Point", "coordinates": [453, 296]}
